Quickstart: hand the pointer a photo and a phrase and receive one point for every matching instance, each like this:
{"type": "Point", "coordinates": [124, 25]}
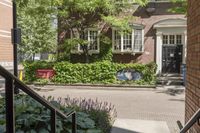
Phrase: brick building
{"type": "Point", "coordinates": [157, 35]}
{"type": "Point", "coordinates": [6, 56]}
{"type": "Point", "coordinates": [193, 62]}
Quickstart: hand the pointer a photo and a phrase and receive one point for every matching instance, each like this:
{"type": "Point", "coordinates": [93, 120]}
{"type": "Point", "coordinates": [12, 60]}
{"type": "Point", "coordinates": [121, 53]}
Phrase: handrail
{"type": "Point", "coordinates": [12, 82]}
{"type": "Point", "coordinates": [195, 118]}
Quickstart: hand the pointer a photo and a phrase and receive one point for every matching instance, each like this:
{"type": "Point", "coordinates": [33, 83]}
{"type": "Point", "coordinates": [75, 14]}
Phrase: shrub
{"type": "Point", "coordinates": [98, 72]}
{"type": "Point", "coordinates": [102, 113]}
{"type": "Point", "coordinates": [33, 117]}
{"type": "Point", "coordinates": [31, 67]}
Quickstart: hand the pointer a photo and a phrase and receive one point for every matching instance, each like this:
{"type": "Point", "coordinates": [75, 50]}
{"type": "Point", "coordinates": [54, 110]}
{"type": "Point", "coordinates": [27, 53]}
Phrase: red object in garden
{"type": "Point", "coordinates": [45, 73]}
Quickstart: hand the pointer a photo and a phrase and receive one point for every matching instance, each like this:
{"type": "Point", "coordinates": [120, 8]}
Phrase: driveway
{"type": "Point", "coordinates": [164, 104]}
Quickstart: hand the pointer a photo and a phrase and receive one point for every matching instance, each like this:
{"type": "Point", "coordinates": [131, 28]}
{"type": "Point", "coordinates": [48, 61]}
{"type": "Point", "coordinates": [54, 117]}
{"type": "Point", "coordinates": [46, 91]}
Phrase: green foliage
{"type": "Point", "coordinates": [81, 15]}
{"type": "Point", "coordinates": [31, 67]}
{"type": "Point", "coordinates": [99, 72]}
{"type": "Point", "coordinates": [103, 113]}
{"type": "Point", "coordinates": [42, 81]}
{"type": "Point", "coordinates": [65, 49]}
{"type": "Point", "coordinates": [105, 49]}
{"type": "Point", "coordinates": [105, 53]}
{"type": "Point", "coordinates": [36, 21]}
{"type": "Point", "coordinates": [182, 8]}
{"type": "Point", "coordinates": [32, 117]}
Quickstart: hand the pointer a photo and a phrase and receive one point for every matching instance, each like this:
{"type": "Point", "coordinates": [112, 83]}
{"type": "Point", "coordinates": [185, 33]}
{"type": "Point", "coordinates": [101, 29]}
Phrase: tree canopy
{"type": "Point", "coordinates": [78, 15]}
{"type": "Point", "coordinates": [180, 9]}
{"type": "Point", "coordinates": [36, 21]}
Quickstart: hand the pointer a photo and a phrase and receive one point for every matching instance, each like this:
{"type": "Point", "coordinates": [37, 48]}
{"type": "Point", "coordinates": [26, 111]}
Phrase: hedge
{"type": "Point", "coordinates": [95, 73]}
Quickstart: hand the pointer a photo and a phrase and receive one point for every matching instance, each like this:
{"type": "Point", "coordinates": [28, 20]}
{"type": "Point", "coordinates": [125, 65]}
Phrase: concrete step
{"type": "Point", "coordinates": [170, 80]}
{"type": "Point", "coordinates": [172, 75]}
{"type": "Point", "coordinates": [139, 126]}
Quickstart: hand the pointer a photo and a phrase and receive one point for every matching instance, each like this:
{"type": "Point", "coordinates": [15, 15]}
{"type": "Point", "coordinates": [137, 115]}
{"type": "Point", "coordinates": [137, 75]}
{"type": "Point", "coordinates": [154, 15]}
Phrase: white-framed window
{"type": "Point", "coordinates": [93, 40]}
{"type": "Point", "coordinates": [117, 41]}
{"type": "Point", "coordinates": [172, 39]}
{"type": "Point", "coordinates": [138, 40]}
{"type": "Point", "coordinates": [127, 42]}
{"type": "Point", "coordinates": [165, 39]}
{"type": "Point", "coordinates": [131, 42]}
{"type": "Point", "coordinates": [92, 36]}
{"type": "Point", "coordinates": [178, 39]}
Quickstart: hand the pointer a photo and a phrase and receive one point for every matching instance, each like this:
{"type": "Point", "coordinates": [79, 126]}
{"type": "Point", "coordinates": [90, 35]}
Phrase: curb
{"type": "Point", "coordinates": [102, 87]}
{"type": "Point", "coordinates": [98, 85]}
{"type": "Point", "coordinates": [94, 87]}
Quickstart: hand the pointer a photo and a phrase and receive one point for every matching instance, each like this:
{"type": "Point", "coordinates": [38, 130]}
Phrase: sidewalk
{"type": "Point", "coordinates": [139, 126]}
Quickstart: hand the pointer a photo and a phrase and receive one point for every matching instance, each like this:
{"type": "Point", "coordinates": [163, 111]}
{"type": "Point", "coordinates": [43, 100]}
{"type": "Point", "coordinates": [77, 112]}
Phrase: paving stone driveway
{"type": "Point", "coordinates": [164, 104]}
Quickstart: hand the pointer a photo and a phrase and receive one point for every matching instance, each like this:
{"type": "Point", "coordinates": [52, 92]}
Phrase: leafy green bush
{"type": "Point", "coordinates": [98, 72]}
{"type": "Point", "coordinates": [102, 113]}
{"type": "Point", "coordinates": [32, 117]}
{"type": "Point", "coordinates": [31, 67]}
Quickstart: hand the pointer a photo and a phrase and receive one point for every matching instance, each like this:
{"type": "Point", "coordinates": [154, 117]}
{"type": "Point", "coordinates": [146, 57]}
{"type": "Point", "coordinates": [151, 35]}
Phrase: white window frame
{"type": "Point", "coordinates": [79, 50]}
{"type": "Point", "coordinates": [122, 43]}
{"type": "Point", "coordinates": [175, 39]}
{"type": "Point", "coordinates": [142, 41]}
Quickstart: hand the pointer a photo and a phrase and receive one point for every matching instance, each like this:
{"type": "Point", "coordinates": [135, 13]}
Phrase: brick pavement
{"type": "Point", "coordinates": [162, 104]}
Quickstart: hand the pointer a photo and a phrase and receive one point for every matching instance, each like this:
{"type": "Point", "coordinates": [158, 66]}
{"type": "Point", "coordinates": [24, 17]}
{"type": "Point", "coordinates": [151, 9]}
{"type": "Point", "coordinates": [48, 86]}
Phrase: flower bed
{"type": "Point", "coordinates": [31, 117]}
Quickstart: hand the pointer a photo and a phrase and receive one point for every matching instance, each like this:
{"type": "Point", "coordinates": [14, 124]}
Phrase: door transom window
{"type": "Point", "coordinates": [172, 39]}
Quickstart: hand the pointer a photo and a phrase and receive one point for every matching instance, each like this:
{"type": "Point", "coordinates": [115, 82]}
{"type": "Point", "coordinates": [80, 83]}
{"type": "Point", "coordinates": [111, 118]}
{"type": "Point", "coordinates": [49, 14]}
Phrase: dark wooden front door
{"type": "Point", "coordinates": [172, 58]}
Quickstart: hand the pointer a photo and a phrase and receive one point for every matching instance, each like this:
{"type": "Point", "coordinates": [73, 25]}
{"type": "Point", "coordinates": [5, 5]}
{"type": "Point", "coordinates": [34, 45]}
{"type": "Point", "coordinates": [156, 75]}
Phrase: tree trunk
{"type": "Point", "coordinates": [86, 53]}
{"type": "Point", "coordinates": [33, 57]}
{"type": "Point", "coordinates": [87, 58]}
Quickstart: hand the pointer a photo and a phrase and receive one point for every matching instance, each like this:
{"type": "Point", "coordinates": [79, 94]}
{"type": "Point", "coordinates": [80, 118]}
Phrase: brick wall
{"type": "Point", "coordinates": [6, 56]}
{"type": "Point", "coordinates": [193, 62]}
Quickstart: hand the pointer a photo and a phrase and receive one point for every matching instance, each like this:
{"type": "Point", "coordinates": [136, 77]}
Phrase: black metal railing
{"type": "Point", "coordinates": [12, 82]}
{"type": "Point", "coordinates": [195, 119]}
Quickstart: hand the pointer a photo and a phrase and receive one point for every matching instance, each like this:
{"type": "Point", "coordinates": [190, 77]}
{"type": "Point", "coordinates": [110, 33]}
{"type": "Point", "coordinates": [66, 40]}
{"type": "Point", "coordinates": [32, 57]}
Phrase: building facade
{"type": "Point", "coordinates": [6, 48]}
{"type": "Point", "coordinates": [193, 63]}
{"type": "Point", "coordinates": [157, 36]}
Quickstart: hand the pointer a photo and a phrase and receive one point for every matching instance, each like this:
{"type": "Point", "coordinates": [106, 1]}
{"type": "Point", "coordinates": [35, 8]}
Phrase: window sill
{"type": "Point", "coordinates": [127, 52]}
{"type": "Point", "coordinates": [81, 52]}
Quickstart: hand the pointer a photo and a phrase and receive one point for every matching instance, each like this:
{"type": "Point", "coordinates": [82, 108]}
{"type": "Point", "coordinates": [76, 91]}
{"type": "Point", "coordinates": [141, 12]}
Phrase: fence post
{"type": "Point", "coordinates": [74, 123]}
{"type": "Point", "coordinates": [9, 100]}
{"type": "Point", "coordinates": [53, 121]}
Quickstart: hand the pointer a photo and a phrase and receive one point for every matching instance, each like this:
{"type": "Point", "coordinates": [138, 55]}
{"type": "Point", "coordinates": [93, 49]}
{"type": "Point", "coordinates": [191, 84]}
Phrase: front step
{"type": "Point", "coordinates": [170, 79]}
{"type": "Point", "coordinates": [139, 126]}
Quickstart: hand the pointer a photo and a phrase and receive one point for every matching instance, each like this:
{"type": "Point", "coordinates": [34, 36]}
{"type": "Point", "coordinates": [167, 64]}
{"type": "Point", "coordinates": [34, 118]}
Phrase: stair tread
{"type": "Point", "coordinates": [170, 79]}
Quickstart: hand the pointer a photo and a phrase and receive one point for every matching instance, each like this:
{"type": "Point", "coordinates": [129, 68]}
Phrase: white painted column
{"type": "Point", "coordinates": [184, 47]}
{"type": "Point", "coordinates": [159, 52]}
